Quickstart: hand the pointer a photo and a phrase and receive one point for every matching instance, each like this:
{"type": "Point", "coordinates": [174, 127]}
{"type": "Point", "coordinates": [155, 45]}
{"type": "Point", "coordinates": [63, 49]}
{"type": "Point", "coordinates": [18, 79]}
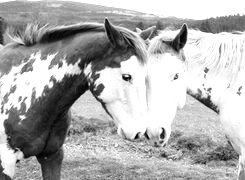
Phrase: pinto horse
{"type": "Point", "coordinates": [215, 71]}
{"type": "Point", "coordinates": [47, 69]}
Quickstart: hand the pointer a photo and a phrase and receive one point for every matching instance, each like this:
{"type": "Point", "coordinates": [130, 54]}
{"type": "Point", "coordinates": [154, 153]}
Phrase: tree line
{"type": "Point", "coordinates": [223, 24]}
{"type": "Point", "coordinates": [214, 25]}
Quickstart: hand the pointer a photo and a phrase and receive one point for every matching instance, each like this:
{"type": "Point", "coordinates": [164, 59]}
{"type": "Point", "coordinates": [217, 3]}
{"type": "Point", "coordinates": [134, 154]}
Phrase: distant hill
{"type": "Point", "coordinates": [63, 12]}
{"type": "Point", "coordinates": [59, 7]}
{"type": "Point", "coordinates": [67, 12]}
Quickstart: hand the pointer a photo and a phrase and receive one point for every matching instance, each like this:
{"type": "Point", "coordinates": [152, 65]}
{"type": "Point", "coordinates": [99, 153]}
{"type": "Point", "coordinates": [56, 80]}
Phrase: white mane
{"type": "Point", "coordinates": [223, 53]}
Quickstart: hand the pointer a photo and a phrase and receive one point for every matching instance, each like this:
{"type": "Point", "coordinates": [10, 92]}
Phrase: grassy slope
{"type": "Point", "coordinates": [93, 150]}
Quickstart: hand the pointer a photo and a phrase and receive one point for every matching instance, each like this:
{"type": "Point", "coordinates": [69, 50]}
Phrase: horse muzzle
{"type": "Point", "coordinates": [158, 135]}
{"type": "Point", "coordinates": [130, 135]}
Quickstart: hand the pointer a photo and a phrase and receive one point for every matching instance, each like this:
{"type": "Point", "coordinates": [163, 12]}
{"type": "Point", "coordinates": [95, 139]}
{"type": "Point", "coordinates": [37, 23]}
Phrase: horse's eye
{"type": "Point", "coordinates": [176, 76]}
{"type": "Point", "coordinates": [126, 77]}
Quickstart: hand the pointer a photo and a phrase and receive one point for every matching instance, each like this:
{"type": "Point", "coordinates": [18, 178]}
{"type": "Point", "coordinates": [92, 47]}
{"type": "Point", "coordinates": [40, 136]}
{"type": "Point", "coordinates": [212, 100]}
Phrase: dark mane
{"type": "Point", "coordinates": [61, 32]}
{"type": "Point", "coordinates": [34, 34]}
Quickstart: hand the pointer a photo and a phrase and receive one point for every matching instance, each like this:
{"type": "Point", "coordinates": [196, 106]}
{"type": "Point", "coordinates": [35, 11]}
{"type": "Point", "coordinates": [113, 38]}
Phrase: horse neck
{"type": "Point", "coordinates": [214, 90]}
{"type": "Point", "coordinates": [78, 83]}
{"type": "Point", "coordinates": [215, 64]}
{"type": "Point", "coordinates": [54, 71]}
{"type": "Point", "coordinates": [47, 78]}
{"type": "Point", "coordinates": [212, 87]}
{"type": "Point", "coordinates": [72, 85]}
{"type": "Point", "coordinates": [203, 88]}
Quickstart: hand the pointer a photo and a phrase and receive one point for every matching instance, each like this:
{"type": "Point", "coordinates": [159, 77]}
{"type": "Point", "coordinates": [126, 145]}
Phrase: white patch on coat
{"type": "Point", "coordinates": [36, 79]}
{"type": "Point", "coordinates": [8, 156]}
{"type": "Point", "coordinates": [9, 159]}
{"type": "Point", "coordinates": [22, 117]}
{"type": "Point", "coordinates": [88, 70]}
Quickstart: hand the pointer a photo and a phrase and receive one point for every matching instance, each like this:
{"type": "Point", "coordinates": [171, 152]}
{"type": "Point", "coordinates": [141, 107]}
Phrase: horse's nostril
{"type": "Point", "coordinates": [137, 136]}
{"type": "Point", "coordinates": [163, 134]}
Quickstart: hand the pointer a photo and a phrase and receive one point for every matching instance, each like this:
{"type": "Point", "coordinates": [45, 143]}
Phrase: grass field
{"type": "Point", "coordinates": [197, 149]}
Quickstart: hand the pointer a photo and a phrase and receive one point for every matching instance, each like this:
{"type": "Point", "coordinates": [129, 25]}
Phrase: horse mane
{"type": "Point", "coordinates": [35, 33]}
{"type": "Point", "coordinates": [222, 53]}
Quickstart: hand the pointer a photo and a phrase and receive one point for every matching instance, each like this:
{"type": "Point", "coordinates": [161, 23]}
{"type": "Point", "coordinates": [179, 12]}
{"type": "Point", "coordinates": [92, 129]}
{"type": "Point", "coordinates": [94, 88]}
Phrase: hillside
{"type": "Point", "coordinates": [18, 13]}
{"type": "Point", "coordinates": [64, 12]}
{"type": "Point", "coordinates": [57, 7]}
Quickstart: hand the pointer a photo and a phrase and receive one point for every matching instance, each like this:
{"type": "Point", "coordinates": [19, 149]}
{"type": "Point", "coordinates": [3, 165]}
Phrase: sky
{"type": "Point", "coordinates": [192, 9]}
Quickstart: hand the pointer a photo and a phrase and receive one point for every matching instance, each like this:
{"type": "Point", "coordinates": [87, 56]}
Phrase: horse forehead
{"type": "Point", "coordinates": [130, 64]}
{"type": "Point", "coordinates": [126, 65]}
{"type": "Point", "coordinates": [164, 63]}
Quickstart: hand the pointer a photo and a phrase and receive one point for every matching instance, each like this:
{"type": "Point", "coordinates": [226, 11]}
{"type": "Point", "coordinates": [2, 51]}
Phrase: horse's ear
{"type": "Point", "coordinates": [146, 34]}
{"type": "Point", "coordinates": [181, 38]}
{"type": "Point", "coordinates": [115, 37]}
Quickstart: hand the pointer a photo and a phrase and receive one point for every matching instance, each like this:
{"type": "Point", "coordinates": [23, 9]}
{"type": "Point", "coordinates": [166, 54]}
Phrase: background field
{"type": "Point", "coordinates": [197, 149]}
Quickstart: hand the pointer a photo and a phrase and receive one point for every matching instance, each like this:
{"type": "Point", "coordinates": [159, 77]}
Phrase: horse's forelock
{"type": "Point", "coordinates": [136, 42]}
{"type": "Point", "coordinates": [159, 45]}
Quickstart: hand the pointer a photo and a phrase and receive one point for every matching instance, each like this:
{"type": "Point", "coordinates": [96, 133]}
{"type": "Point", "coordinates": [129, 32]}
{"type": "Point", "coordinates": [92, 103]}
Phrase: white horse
{"type": "Point", "coordinates": [216, 77]}
{"type": "Point", "coordinates": [167, 86]}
